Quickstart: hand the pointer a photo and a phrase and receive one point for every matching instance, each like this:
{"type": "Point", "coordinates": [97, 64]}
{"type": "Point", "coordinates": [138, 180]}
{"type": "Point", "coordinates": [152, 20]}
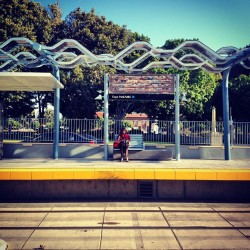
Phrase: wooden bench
{"type": "Point", "coordinates": [136, 142]}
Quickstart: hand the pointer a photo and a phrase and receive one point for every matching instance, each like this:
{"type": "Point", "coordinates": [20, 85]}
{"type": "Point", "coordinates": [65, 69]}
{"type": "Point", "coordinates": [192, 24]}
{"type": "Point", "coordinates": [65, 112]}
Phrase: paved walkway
{"type": "Point", "coordinates": [113, 225]}
{"type": "Point", "coordinates": [81, 163]}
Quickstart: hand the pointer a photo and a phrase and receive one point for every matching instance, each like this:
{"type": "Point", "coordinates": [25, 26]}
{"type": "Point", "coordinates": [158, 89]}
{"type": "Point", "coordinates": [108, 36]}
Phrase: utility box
{"type": "Point", "coordinates": [1, 131]}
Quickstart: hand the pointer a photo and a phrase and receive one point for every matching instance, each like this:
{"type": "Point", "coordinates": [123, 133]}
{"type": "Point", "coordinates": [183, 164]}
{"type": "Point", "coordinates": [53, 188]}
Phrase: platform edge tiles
{"type": "Point", "coordinates": [125, 174]}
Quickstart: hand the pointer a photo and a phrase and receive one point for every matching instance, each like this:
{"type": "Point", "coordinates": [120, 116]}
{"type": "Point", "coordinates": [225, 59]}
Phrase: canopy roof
{"type": "Point", "coordinates": [27, 81]}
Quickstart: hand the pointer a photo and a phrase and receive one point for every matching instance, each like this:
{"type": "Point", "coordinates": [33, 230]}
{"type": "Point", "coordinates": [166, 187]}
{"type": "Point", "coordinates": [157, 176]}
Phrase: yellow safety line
{"type": "Point", "coordinates": [124, 174]}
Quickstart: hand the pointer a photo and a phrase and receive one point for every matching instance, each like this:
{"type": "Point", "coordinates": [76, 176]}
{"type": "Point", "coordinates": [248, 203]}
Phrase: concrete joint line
{"type": "Point", "coordinates": [175, 236]}
{"type": "Point", "coordinates": [103, 220]}
{"type": "Point", "coordinates": [138, 236]}
{"type": "Point", "coordinates": [237, 228]}
{"type": "Point", "coordinates": [36, 227]}
{"type": "Point", "coordinates": [126, 211]}
{"type": "Point", "coordinates": [127, 228]}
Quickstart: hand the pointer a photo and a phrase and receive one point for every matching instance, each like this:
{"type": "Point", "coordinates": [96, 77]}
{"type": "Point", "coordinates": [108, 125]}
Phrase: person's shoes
{"type": "Point", "coordinates": [127, 160]}
{"type": "Point", "coordinates": [121, 159]}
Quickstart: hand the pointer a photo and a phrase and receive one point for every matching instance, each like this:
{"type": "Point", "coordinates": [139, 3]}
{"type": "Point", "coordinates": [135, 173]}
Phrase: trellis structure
{"type": "Point", "coordinates": [69, 53]}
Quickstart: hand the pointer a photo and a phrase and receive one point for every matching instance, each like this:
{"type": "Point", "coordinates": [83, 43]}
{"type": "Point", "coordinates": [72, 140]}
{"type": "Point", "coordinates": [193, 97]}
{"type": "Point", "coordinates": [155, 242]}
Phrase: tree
{"type": "Point", "coordinates": [198, 85]}
{"type": "Point", "coordinates": [16, 104]}
{"type": "Point", "coordinates": [239, 98]}
{"type": "Point", "coordinates": [81, 84]}
{"type": "Point", "coordinates": [97, 34]}
{"type": "Point", "coordinates": [200, 89]}
{"type": "Point", "coordinates": [25, 18]}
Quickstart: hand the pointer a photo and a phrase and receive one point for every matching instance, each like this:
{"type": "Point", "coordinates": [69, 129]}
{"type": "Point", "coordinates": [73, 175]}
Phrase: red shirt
{"type": "Point", "coordinates": [124, 137]}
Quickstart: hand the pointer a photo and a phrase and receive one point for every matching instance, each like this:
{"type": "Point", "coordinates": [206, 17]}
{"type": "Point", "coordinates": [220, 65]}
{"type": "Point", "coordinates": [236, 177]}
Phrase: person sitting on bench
{"type": "Point", "coordinates": [124, 139]}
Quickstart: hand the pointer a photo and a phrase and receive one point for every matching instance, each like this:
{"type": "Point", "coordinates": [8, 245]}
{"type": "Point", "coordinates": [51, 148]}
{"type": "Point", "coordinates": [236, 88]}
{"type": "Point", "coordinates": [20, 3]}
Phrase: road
{"type": "Point", "coordinates": [125, 225]}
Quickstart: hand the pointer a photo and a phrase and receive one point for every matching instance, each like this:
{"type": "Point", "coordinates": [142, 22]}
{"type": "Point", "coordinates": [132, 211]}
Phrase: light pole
{"type": "Point", "coordinates": [177, 118]}
{"type": "Point", "coordinates": [104, 100]}
{"type": "Point", "coordinates": [225, 97]}
{"type": "Point", "coordinates": [56, 73]}
{"type": "Point", "coordinates": [106, 116]}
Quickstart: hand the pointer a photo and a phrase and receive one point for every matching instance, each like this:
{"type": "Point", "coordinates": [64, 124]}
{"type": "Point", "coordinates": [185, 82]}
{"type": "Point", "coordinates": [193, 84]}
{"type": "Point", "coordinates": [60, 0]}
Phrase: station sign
{"type": "Point", "coordinates": [141, 87]}
{"type": "Point", "coordinates": [142, 97]}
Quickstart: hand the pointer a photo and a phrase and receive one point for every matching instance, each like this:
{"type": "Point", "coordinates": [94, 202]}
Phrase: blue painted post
{"type": "Point", "coordinates": [56, 115]}
{"type": "Point", "coordinates": [106, 117]}
{"type": "Point", "coordinates": [225, 98]}
{"type": "Point", "coordinates": [177, 119]}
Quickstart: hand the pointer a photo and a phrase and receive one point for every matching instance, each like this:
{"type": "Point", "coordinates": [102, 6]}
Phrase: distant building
{"type": "Point", "coordinates": [140, 121]}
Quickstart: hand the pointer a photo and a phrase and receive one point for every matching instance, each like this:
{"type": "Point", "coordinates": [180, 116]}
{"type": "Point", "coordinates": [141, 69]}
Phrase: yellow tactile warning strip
{"type": "Point", "coordinates": [124, 174]}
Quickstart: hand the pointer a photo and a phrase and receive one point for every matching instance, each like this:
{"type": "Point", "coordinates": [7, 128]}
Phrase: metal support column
{"type": "Point", "coordinates": [225, 99]}
{"type": "Point", "coordinates": [56, 74]}
{"type": "Point", "coordinates": [106, 117]}
{"type": "Point", "coordinates": [177, 120]}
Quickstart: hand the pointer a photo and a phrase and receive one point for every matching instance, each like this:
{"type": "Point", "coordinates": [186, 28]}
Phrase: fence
{"type": "Point", "coordinates": [154, 131]}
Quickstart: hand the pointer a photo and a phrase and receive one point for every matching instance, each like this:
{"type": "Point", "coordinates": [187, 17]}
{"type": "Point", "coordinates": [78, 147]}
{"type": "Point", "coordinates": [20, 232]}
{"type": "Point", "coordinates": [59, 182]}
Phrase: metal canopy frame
{"type": "Point", "coordinates": [60, 55]}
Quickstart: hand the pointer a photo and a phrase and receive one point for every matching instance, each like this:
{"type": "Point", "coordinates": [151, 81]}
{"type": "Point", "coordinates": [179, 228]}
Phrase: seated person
{"type": "Point", "coordinates": [124, 139]}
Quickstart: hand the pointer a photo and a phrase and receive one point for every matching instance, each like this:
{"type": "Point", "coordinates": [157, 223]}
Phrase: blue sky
{"type": "Point", "coordinates": [217, 23]}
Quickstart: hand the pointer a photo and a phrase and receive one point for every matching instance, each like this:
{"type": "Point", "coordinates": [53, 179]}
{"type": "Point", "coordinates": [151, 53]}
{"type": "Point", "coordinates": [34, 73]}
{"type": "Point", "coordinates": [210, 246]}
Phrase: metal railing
{"type": "Point", "coordinates": [240, 133]}
{"type": "Point", "coordinates": [154, 131]}
{"type": "Point", "coordinates": [41, 130]}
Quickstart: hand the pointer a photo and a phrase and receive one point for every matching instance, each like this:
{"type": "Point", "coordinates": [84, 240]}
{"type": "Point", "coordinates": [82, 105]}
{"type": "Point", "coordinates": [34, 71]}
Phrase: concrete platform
{"type": "Point", "coordinates": [67, 179]}
{"type": "Point", "coordinates": [79, 169]}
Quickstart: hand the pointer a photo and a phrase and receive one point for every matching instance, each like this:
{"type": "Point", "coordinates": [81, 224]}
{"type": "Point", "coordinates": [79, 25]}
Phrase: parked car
{"type": "Point", "coordinates": [68, 137]}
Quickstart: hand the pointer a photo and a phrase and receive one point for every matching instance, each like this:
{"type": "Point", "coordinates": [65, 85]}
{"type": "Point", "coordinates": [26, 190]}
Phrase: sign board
{"type": "Point", "coordinates": [135, 97]}
{"type": "Point", "coordinates": [141, 87]}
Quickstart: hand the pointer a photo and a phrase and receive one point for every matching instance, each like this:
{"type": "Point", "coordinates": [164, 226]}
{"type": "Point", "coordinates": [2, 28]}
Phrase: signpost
{"type": "Point", "coordinates": [142, 87]}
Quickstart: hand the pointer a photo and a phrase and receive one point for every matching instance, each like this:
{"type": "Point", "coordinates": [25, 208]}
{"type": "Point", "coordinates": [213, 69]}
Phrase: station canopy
{"type": "Point", "coordinates": [28, 81]}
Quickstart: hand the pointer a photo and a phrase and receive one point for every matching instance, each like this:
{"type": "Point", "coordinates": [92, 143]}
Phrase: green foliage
{"type": "Point", "coordinates": [200, 88]}
{"type": "Point", "coordinates": [16, 104]}
{"type": "Point", "coordinates": [198, 85]}
{"type": "Point", "coordinates": [49, 114]}
{"type": "Point", "coordinates": [49, 125]}
{"type": "Point", "coordinates": [81, 84]}
{"type": "Point", "coordinates": [127, 124]}
{"type": "Point", "coordinates": [13, 124]}
{"type": "Point", "coordinates": [96, 33]}
{"type": "Point", "coordinates": [25, 18]}
{"type": "Point", "coordinates": [80, 89]}
{"type": "Point", "coordinates": [239, 96]}
{"type": "Point", "coordinates": [35, 124]}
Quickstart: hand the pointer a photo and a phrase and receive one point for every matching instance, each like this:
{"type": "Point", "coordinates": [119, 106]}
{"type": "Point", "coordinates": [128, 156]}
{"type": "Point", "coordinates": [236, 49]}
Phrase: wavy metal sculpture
{"type": "Point", "coordinates": [69, 53]}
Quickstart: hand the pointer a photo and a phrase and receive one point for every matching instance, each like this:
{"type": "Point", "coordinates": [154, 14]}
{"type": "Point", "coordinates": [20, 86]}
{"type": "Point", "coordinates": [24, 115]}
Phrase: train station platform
{"type": "Point", "coordinates": [79, 179]}
{"type": "Point", "coordinates": [79, 169]}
